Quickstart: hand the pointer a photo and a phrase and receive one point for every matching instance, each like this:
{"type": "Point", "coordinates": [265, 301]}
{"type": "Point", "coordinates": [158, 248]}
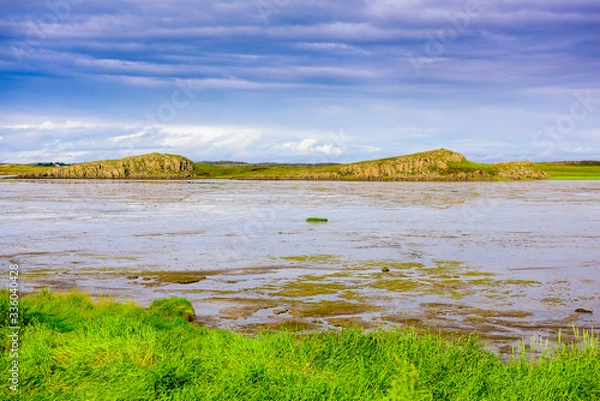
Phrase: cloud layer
{"type": "Point", "coordinates": [285, 80]}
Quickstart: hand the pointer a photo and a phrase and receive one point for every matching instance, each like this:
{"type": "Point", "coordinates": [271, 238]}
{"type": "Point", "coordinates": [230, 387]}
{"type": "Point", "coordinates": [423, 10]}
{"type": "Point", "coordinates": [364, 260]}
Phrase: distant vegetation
{"type": "Point", "coordinates": [161, 166]}
{"type": "Point", "coordinates": [316, 220]}
{"type": "Point", "coordinates": [584, 170]}
{"type": "Point", "coordinates": [74, 349]}
{"type": "Point", "coordinates": [437, 165]}
{"type": "Point", "coordinates": [14, 169]}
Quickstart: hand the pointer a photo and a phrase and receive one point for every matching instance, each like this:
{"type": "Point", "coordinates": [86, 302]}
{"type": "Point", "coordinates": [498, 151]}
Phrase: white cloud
{"type": "Point", "coordinates": [309, 146]}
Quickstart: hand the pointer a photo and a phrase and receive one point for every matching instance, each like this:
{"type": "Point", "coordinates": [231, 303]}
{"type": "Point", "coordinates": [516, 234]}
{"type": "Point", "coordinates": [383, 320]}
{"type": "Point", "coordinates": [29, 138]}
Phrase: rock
{"type": "Point", "coordinates": [385, 269]}
{"type": "Point", "coordinates": [153, 165]}
{"type": "Point", "coordinates": [280, 311]}
{"type": "Point", "coordinates": [581, 310]}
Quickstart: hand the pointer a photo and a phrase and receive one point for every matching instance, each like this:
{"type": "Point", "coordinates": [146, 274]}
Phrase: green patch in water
{"type": "Point", "coordinates": [312, 258]}
{"type": "Point", "coordinates": [154, 278]}
{"type": "Point", "coordinates": [553, 301]}
{"type": "Point", "coordinates": [331, 308]}
{"type": "Point", "coordinates": [380, 264]}
{"type": "Point", "coordinates": [287, 325]}
{"type": "Point", "coordinates": [303, 288]}
{"type": "Point", "coordinates": [474, 273]}
{"type": "Point", "coordinates": [314, 277]}
{"type": "Point", "coordinates": [353, 296]}
{"type": "Point", "coordinates": [316, 220]}
{"type": "Point", "coordinates": [351, 323]}
{"type": "Point", "coordinates": [396, 285]}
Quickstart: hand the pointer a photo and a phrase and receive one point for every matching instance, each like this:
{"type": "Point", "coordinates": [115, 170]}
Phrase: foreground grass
{"type": "Point", "coordinates": [75, 349]}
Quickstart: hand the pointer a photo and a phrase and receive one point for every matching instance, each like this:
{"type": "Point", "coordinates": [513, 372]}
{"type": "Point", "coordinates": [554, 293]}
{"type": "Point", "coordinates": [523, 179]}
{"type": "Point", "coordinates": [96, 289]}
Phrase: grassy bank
{"type": "Point", "coordinates": [14, 169]}
{"type": "Point", "coordinates": [570, 170]}
{"type": "Point", "coordinates": [74, 349]}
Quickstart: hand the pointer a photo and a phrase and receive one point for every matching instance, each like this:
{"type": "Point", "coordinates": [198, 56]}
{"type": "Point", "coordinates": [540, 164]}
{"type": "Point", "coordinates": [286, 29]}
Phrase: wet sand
{"type": "Point", "coordinates": [508, 259]}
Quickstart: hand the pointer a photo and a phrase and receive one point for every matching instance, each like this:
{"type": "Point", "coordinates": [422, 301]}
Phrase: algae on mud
{"type": "Point", "coordinates": [316, 220]}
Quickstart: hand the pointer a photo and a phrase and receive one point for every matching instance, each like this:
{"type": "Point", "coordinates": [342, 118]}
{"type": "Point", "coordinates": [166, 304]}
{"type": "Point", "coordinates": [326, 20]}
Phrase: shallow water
{"type": "Point", "coordinates": [533, 248]}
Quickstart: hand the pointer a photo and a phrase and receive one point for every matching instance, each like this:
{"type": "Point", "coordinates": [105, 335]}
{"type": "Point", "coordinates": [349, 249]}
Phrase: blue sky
{"type": "Point", "coordinates": [287, 80]}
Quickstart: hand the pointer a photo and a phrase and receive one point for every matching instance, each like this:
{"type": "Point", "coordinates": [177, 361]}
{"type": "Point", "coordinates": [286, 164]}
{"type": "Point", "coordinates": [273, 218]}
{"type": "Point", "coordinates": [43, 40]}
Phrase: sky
{"type": "Point", "coordinates": [299, 81]}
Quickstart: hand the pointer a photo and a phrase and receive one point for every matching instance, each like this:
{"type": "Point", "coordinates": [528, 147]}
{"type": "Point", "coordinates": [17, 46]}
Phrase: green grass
{"type": "Point", "coordinates": [570, 170]}
{"type": "Point", "coordinates": [72, 348]}
{"type": "Point", "coordinates": [253, 171]}
{"type": "Point", "coordinates": [316, 220]}
{"type": "Point", "coordinates": [14, 169]}
{"type": "Point", "coordinates": [174, 307]}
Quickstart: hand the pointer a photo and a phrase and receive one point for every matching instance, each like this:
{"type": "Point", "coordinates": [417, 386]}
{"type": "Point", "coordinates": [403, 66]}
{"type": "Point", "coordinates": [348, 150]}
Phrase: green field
{"type": "Point", "coordinates": [14, 169]}
{"type": "Point", "coordinates": [257, 171]}
{"type": "Point", "coordinates": [556, 170]}
{"type": "Point", "coordinates": [570, 170]}
{"type": "Point", "coordinates": [72, 348]}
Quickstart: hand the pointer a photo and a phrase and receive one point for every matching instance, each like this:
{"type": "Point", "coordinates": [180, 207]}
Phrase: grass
{"type": "Point", "coordinates": [14, 169]}
{"type": "Point", "coordinates": [72, 348]}
{"type": "Point", "coordinates": [255, 171]}
{"type": "Point", "coordinates": [174, 307]}
{"type": "Point", "coordinates": [316, 220]}
{"type": "Point", "coordinates": [570, 170]}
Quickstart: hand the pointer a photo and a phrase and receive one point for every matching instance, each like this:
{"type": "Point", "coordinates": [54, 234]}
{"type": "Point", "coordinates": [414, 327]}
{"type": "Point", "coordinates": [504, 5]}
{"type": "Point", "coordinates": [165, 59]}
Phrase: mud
{"type": "Point", "coordinates": [506, 259]}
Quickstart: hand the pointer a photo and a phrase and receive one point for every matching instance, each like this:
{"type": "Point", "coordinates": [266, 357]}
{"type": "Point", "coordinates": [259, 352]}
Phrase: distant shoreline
{"type": "Point", "coordinates": [433, 166]}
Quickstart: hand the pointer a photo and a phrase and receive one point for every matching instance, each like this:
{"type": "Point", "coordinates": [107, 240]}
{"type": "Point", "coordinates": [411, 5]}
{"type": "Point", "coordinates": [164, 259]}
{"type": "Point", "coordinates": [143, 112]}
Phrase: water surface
{"type": "Point", "coordinates": [505, 258]}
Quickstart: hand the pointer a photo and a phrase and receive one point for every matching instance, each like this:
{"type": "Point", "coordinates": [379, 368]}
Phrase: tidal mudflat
{"type": "Point", "coordinates": [507, 259]}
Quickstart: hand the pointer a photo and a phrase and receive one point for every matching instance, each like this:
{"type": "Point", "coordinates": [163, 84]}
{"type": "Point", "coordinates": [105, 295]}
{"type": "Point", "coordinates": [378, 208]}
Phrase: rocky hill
{"type": "Point", "coordinates": [436, 165]}
{"type": "Point", "coordinates": [431, 165]}
{"type": "Point", "coordinates": [155, 165]}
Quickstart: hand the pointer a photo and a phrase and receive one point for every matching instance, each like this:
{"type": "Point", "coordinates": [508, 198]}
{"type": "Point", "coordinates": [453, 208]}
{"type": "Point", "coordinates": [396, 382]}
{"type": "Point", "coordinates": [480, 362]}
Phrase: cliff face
{"type": "Point", "coordinates": [135, 167]}
{"type": "Point", "coordinates": [419, 166]}
{"type": "Point", "coordinates": [436, 165]}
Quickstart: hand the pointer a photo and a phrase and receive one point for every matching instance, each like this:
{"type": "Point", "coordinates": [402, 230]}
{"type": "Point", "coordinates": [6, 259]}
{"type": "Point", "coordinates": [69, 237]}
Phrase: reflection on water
{"type": "Point", "coordinates": [252, 239]}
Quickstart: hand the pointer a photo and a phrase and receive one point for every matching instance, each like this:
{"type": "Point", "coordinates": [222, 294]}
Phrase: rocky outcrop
{"type": "Point", "coordinates": [419, 166]}
{"type": "Point", "coordinates": [436, 165]}
{"type": "Point", "coordinates": [153, 165]}
{"type": "Point", "coordinates": [518, 171]}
